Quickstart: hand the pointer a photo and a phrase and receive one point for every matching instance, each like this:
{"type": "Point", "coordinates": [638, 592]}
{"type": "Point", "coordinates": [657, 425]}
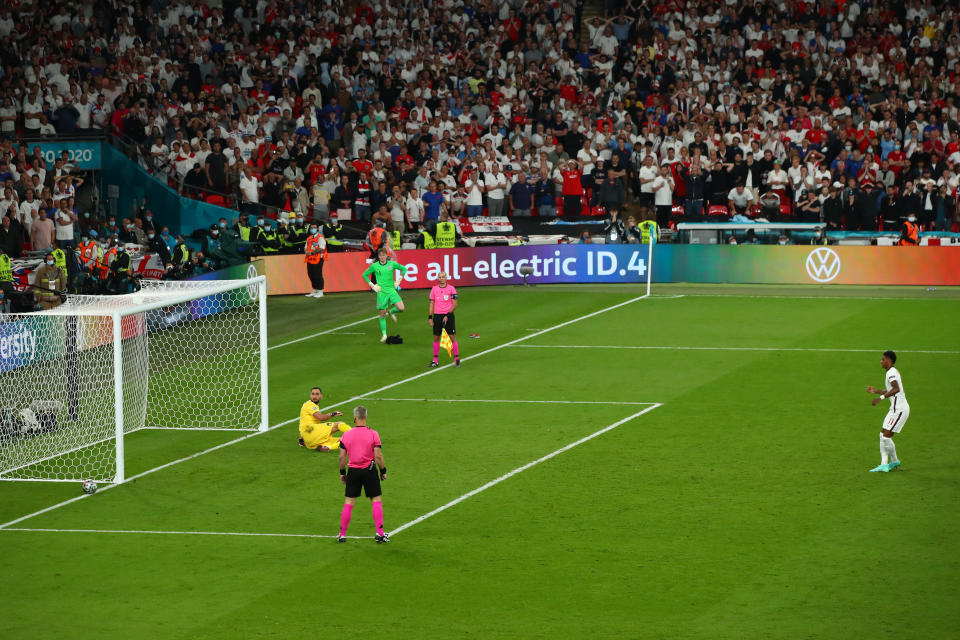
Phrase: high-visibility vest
{"type": "Point", "coordinates": [446, 235]}
{"type": "Point", "coordinates": [330, 233]}
{"type": "Point", "coordinates": [395, 240]}
{"type": "Point", "coordinates": [244, 232]}
{"type": "Point", "coordinates": [909, 234]}
{"type": "Point", "coordinates": [427, 240]}
{"type": "Point", "coordinates": [314, 243]}
{"type": "Point", "coordinates": [105, 261]}
{"type": "Point", "coordinates": [648, 232]}
{"type": "Point", "coordinates": [181, 255]}
{"type": "Point", "coordinates": [60, 258]}
{"type": "Point", "coordinates": [88, 254]}
{"type": "Point", "coordinates": [6, 271]}
{"type": "Point", "coordinates": [376, 238]}
{"type": "Point", "coordinates": [270, 235]}
{"type": "Point", "coordinates": [124, 259]}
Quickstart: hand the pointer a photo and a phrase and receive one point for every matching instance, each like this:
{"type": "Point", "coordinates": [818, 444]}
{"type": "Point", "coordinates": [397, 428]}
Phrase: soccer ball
{"type": "Point", "coordinates": [89, 487]}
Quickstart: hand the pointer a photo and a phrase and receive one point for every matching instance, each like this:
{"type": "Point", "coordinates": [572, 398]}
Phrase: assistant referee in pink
{"type": "Point", "coordinates": [443, 302]}
{"type": "Point", "coordinates": [361, 446]}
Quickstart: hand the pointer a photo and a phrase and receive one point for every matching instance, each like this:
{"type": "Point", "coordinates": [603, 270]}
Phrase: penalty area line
{"type": "Point", "coordinates": [327, 408]}
{"type": "Point", "coordinates": [403, 527]}
{"type": "Point", "coordinates": [682, 348]}
{"type": "Point", "coordinates": [521, 469]}
{"type": "Point", "coordinates": [609, 402]}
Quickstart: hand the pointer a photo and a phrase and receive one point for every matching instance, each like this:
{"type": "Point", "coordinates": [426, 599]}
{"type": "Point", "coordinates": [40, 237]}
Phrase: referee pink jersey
{"type": "Point", "coordinates": [359, 443]}
{"type": "Point", "coordinates": [443, 298]}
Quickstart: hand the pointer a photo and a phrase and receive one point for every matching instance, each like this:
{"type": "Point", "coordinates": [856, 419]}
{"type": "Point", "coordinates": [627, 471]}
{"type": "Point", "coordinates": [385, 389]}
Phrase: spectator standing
{"type": "Point", "coordinates": [433, 204]}
{"type": "Point", "coordinates": [571, 188]}
{"type": "Point", "coordinates": [521, 195]}
{"type": "Point", "coordinates": [42, 231]}
{"type": "Point", "coordinates": [496, 183]}
{"type": "Point", "coordinates": [663, 187]}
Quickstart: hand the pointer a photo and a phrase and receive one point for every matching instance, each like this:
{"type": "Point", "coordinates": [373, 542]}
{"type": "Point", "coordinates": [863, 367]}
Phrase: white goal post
{"type": "Point", "coordinates": [77, 380]}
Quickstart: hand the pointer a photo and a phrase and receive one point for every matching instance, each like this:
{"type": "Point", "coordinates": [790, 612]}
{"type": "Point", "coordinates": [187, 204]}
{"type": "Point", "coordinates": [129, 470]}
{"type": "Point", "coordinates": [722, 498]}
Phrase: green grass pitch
{"type": "Point", "coordinates": [737, 505]}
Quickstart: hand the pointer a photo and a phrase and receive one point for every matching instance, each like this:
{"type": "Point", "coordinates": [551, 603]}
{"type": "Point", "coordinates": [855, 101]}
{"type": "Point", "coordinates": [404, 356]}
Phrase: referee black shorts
{"type": "Point", "coordinates": [438, 325]}
{"type": "Point", "coordinates": [367, 479]}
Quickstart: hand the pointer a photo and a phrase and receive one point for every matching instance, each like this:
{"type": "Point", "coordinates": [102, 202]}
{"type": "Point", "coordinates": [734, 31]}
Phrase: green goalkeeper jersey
{"type": "Point", "coordinates": [384, 273]}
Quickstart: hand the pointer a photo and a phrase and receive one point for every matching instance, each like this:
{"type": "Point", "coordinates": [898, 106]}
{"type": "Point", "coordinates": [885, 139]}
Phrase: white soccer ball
{"type": "Point", "coordinates": [89, 487]}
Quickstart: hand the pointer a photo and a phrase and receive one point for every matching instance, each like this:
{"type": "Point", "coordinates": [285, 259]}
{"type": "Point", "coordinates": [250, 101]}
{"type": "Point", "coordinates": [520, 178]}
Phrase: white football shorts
{"type": "Point", "coordinates": [896, 419]}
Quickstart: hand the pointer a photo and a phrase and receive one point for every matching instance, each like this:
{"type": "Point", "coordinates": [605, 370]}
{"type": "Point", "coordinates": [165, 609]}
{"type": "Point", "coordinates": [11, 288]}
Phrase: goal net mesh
{"type": "Point", "coordinates": [189, 358]}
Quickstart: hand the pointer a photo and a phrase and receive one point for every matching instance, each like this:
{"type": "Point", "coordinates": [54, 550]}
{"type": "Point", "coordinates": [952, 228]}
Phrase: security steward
{"type": "Point", "coordinates": [315, 255]}
{"type": "Point", "coordinates": [648, 232]}
{"type": "Point", "coordinates": [332, 230]}
{"type": "Point", "coordinates": [425, 240]}
{"type": "Point", "coordinates": [283, 236]}
{"type": "Point", "coordinates": [243, 228]}
{"type": "Point", "coordinates": [299, 231]}
{"type": "Point", "coordinates": [49, 282]}
{"type": "Point", "coordinates": [910, 232]}
{"type": "Point", "coordinates": [89, 250]}
{"type": "Point", "coordinates": [121, 272]}
{"type": "Point", "coordinates": [376, 238]}
{"type": "Point", "coordinates": [60, 257]}
{"type": "Point", "coordinates": [6, 272]}
{"type": "Point", "coordinates": [446, 233]}
{"type": "Point", "coordinates": [396, 240]}
{"type": "Point", "coordinates": [106, 260]}
{"type": "Point", "coordinates": [181, 255]}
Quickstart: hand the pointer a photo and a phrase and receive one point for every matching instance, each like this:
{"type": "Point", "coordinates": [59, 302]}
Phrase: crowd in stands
{"type": "Point", "coordinates": [837, 111]}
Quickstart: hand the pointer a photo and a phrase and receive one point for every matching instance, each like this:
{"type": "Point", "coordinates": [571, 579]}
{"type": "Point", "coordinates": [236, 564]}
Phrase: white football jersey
{"type": "Point", "coordinates": [898, 401]}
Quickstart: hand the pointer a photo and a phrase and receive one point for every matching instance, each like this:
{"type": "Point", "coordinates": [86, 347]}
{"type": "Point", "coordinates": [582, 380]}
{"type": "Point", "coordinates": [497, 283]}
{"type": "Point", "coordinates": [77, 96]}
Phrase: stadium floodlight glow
{"type": "Point", "coordinates": [75, 381]}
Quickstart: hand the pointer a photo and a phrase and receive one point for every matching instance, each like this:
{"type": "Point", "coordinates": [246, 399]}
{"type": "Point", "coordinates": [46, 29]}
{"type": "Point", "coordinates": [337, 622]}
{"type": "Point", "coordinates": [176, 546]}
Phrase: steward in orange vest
{"type": "Point", "coordinates": [315, 253]}
{"type": "Point", "coordinates": [910, 232]}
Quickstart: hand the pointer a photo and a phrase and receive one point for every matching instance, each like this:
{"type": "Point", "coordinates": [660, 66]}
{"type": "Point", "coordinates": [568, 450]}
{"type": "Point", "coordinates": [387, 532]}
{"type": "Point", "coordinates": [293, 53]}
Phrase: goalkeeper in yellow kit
{"type": "Point", "coordinates": [315, 432]}
{"type": "Point", "coordinates": [388, 300]}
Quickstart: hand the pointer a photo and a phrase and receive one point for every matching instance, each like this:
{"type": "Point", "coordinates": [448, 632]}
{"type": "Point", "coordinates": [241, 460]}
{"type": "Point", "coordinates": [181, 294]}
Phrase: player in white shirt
{"type": "Point", "coordinates": [896, 417]}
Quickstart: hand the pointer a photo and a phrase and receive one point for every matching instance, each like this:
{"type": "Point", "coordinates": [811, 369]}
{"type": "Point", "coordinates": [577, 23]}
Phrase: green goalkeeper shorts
{"type": "Point", "coordinates": [386, 299]}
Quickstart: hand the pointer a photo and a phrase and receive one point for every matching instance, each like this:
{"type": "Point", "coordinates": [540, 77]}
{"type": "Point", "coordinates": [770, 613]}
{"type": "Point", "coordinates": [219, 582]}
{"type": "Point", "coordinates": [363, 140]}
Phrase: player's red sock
{"type": "Point", "coordinates": [456, 350]}
{"type": "Point", "coordinates": [378, 516]}
{"type": "Point", "coordinates": [345, 518]}
{"type": "Point", "coordinates": [436, 350]}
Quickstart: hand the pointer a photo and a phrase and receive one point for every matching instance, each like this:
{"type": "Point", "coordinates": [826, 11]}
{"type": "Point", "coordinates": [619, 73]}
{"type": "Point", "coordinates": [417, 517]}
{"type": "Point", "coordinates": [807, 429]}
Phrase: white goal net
{"type": "Point", "coordinates": [77, 380]}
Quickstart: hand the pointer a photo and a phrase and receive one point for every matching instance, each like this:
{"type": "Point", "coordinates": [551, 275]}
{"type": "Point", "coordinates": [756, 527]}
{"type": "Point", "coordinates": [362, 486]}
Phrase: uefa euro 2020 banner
{"type": "Point", "coordinates": [85, 154]}
{"type": "Point", "coordinates": [765, 264]}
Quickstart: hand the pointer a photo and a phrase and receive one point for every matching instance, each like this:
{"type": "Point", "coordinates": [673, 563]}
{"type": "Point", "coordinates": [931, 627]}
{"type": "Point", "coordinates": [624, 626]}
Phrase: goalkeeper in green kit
{"type": "Point", "coordinates": [388, 300]}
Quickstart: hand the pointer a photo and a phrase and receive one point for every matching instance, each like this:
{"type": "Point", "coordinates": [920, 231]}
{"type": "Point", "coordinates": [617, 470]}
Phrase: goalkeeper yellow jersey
{"type": "Point", "coordinates": [317, 433]}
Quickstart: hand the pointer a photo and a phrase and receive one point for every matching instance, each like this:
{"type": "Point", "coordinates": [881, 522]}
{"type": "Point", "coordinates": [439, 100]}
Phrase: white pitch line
{"type": "Point", "coordinates": [510, 474]}
{"type": "Point", "coordinates": [675, 348]}
{"type": "Point", "coordinates": [504, 401]}
{"type": "Point", "coordinates": [188, 533]}
{"type": "Point", "coordinates": [347, 401]}
{"type": "Point", "coordinates": [825, 297]}
{"type": "Point", "coordinates": [407, 525]}
{"type": "Point", "coordinates": [322, 333]}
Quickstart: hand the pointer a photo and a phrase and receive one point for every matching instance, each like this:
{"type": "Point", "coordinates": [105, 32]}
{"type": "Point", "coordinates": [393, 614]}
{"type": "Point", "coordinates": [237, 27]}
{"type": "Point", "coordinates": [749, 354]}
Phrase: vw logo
{"type": "Point", "coordinates": [252, 289]}
{"type": "Point", "coordinates": [823, 264]}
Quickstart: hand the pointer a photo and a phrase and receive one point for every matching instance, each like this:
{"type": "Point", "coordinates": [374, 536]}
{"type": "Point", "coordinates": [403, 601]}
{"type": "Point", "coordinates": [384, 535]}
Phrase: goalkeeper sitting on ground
{"type": "Point", "coordinates": [315, 432]}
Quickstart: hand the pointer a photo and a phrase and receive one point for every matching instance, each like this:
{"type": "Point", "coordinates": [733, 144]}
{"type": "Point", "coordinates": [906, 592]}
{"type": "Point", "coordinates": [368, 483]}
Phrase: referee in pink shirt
{"type": "Point", "coordinates": [362, 449]}
{"type": "Point", "coordinates": [443, 302]}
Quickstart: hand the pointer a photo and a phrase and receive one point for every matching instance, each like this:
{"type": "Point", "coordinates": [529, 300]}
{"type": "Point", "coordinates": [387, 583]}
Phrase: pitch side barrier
{"type": "Point", "coordinates": [554, 264]}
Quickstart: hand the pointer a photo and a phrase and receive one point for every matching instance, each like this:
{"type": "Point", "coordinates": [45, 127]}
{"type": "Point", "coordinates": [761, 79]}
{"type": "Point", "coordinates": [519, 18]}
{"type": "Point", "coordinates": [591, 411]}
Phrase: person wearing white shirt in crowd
{"type": "Point", "coordinates": [250, 187]}
{"type": "Point", "coordinates": [474, 187]}
{"type": "Point", "coordinates": [414, 209]}
{"type": "Point", "coordinates": [496, 191]}
{"type": "Point", "coordinates": [777, 178]}
{"type": "Point", "coordinates": [647, 174]}
{"type": "Point", "coordinates": [662, 187]}
{"type": "Point", "coordinates": [29, 208]}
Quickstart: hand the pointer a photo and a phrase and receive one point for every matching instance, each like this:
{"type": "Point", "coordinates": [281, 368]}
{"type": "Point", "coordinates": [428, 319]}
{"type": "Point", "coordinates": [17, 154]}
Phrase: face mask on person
{"type": "Point", "coordinates": [149, 218]}
{"type": "Point", "coordinates": [151, 235]}
{"type": "Point", "coordinates": [299, 220]}
{"type": "Point", "coordinates": [781, 242]}
{"type": "Point", "coordinates": [165, 233]}
{"type": "Point", "coordinates": [86, 214]}
{"type": "Point", "coordinates": [263, 223]}
{"type": "Point", "coordinates": [817, 235]}
{"type": "Point", "coordinates": [223, 225]}
{"type": "Point", "coordinates": [313, 231]}
{"type": "Point", "coordinates": [129, 226]}
{"type": "Point", "coordinates": [49, 263]}
{"type": "Point", "coordinates": [215, 233]}
{"type": "Point", "coordinates": [112, 223]}
{"type": "Point", "coordinates": [848, 148]}
{"type": "Point", "coordinates": [912, 218]}
{"type": "Point", "coordinates": [121, 248]}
